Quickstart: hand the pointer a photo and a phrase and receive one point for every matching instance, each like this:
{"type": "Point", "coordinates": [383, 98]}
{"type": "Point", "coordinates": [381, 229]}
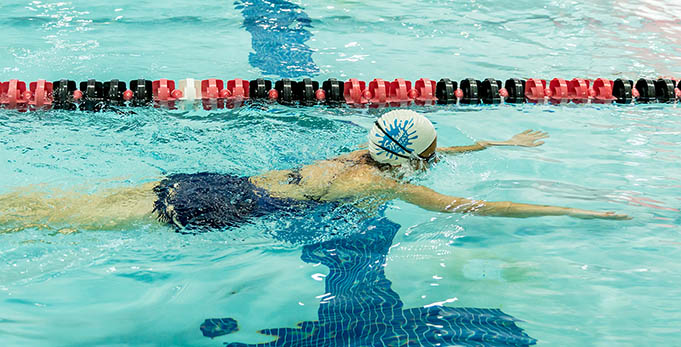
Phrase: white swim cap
{"type": "Point", "coordinates": [400, 135]}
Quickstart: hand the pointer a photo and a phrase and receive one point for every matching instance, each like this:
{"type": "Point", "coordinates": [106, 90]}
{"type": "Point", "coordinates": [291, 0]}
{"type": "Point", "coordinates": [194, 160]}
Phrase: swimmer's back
{"type": "Point", "coordinates": [345, 177]}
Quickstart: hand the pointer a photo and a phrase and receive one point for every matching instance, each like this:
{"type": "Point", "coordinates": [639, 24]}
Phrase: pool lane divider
{"type": "Point", "coordinates": [212, 94]}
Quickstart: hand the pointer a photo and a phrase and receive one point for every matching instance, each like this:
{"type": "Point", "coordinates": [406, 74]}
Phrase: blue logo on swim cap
{"type": "Point", "coordinates": [401, 131]}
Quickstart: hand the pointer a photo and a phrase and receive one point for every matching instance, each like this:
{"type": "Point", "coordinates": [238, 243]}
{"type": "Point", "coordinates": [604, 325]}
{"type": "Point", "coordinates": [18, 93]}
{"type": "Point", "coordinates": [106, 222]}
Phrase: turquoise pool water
{"type": "Point", "coordinates": [569, 282]}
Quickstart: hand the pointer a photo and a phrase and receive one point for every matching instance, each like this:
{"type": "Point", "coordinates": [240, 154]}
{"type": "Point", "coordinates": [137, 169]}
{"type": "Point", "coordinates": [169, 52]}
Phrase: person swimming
{"type": "Point", "coordinates": [400, 142]}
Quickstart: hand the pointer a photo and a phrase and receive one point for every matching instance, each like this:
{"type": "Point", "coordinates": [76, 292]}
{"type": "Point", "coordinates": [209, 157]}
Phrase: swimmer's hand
{"type": "Point", "coordinates": [527, 138]}
{"type": "Point", "coordinates": [586, 214]}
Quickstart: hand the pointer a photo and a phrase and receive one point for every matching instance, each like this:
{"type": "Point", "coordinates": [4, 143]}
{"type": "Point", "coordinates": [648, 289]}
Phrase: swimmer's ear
{"type": "Point", "coordinates": [363, 145]}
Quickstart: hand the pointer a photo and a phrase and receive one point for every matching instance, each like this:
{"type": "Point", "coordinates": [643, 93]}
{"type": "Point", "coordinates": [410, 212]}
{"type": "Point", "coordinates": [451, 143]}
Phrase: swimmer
{"type": "Point", "coordinates": [399, 142]}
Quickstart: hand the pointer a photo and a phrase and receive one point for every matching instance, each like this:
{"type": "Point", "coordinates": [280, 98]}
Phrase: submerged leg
{"type": "Point", "coordinates": [108, 209]}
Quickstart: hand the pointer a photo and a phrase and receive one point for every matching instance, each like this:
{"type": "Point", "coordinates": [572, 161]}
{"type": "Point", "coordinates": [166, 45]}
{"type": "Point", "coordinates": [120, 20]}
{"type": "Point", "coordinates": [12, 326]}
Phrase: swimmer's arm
{"type": "Point", "coordinates": [478, 146]}
{"type": "Point", "coordinates": [527, 138]}
{"type": "Point", "coordinates": [429, 199]}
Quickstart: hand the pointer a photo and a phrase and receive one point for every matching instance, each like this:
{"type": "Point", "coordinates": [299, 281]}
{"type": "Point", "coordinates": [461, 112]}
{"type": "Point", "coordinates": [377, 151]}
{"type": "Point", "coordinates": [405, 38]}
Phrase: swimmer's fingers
{"type": "Point", "coordinates": [613, 215]}
{"type": "Point", "coordinates": [528, 138]}
{"type": "Point", "coordinates": [541, 135]}
{"type": "Point", "coordinates": [536, 136]}
{"type": "Point", "coordinates": [533, 132]}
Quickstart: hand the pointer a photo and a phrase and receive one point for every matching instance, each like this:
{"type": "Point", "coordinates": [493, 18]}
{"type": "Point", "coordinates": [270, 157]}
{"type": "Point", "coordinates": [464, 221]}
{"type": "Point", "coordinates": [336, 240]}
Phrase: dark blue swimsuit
{"type": "Point", "coordinates": [213, 201]}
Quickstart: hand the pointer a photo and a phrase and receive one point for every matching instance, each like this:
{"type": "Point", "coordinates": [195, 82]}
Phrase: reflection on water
{"type": "Point", "coordinates": [279, 30]}
{"type": "Point", "coordinates": [359, 308]}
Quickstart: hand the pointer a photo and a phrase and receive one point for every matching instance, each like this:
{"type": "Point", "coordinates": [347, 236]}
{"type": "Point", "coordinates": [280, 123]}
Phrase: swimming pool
{"type": "Point", "coordinates": [569, 282]}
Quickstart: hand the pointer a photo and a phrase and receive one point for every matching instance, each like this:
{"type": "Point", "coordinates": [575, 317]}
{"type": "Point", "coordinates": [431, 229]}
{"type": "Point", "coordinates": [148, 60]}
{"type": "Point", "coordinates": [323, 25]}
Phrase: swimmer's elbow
{"type": "Point", "coordinates": [491, 208]}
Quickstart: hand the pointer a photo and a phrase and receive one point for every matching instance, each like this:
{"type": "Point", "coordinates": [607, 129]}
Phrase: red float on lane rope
{"type": "Point", "coordinates": [210, 93]}
{"type": "Point", "coordinates": [503, 93]}
{"type": "Point", "coordinates": [177, 94]}
{"type": "Point", "coordinates": [535, 90]}
{"type": "Point", "coordinates": [225, 93]}
{"type": "Point", "coordinates": [210, 88]}
{"type": "Point", "coordinates": [602, 91]}
{"type": "Point", "coordinates": [424, 92]}
{"type": "Point", "coordinates": [320, 95]}
{"type": "Point", "coordinates": [163, 89]}
{"type": "Point", "coordinates": [378, 92]}
{"type": "Point", "coordinates": [237, 92]}
{"type": "Point", "coordinates": [353, 91]}
{"type": "Point", "coordinates": [559, 91]}
{"type": "Point", "coordinates": [13, 94]}
{"type": "Point", "coordinates": [458, 94]}
{"type": "Point", "coordinates": [399, 93]}
{"type": "Point", "coordinates": [412, 94]}
{"type": "Point", "coordinates": [40, 95]}
{"type": "Point", "coordinates": [238, 88]}
{"type": "Point", "coordinates": [578, 90]}
{"type": "Point", "coordinates": [127, 95]}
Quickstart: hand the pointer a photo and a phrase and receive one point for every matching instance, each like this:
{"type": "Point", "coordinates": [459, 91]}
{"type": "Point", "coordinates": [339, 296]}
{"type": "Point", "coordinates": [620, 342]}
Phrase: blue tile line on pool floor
{"type": "Point", "coordinates": [362, 310]}
{"type": "Point", "coordinates": [279, 30]}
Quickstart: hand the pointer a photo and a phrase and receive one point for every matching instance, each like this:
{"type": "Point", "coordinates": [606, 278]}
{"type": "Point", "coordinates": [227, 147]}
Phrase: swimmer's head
{"type": "Point", "coordinates": [402, 136]}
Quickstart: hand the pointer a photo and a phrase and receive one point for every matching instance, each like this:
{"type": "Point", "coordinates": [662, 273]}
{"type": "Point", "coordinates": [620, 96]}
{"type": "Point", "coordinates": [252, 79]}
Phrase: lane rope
{"type": "Point", "coordinates": [212, 94]}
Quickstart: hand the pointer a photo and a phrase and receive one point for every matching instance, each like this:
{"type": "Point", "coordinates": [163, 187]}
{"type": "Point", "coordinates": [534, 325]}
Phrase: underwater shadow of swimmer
{"type": "Point", "coordinates": [279, 30]}
{"type": "Point", "coordinates": [362, 310]}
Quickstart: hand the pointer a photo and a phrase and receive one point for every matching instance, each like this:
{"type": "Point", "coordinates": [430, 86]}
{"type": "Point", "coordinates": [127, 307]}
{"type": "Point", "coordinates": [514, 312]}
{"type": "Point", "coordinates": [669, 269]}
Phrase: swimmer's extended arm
{"type": "Point", "coordinates": [527, 138]}
{"type": "Point", "coordinates": [431, 200]}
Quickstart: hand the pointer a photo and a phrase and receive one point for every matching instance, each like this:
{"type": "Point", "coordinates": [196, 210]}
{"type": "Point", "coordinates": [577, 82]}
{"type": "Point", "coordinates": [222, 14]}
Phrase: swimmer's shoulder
{"type": "Point", "coordinates": [357, 155]}
{"type": "Point", "coordinates": [363, 178]}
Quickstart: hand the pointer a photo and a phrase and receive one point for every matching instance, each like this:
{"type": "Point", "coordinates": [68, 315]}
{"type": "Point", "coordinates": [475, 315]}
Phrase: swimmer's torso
{"type": "Point", "coordinates": [344, 177]}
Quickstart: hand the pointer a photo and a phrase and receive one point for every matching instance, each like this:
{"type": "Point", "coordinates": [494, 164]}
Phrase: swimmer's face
{"type": "Point", "coordinates": [428, 155]}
